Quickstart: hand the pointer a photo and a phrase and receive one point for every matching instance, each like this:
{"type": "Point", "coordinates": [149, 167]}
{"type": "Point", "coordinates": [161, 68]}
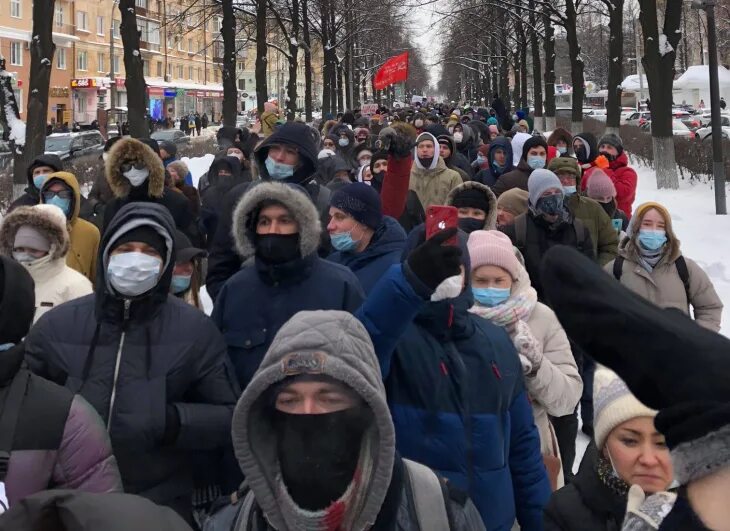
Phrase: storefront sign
{"type": "Point", "coordinates": [83, 83]}
{"type": "Point", "coordinates": [59, 92]}
{"type": "Point", "coordinates": [155, 91]}
{"type": "Point", "coordinates": [120, 82]}
{"type": "Point", "coordinates": [170, 93]}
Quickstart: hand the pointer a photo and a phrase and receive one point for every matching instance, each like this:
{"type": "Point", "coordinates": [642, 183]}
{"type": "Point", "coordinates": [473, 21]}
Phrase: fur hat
{"type": "Point", "coordinates": [48, 220]}
{"type": "Point", "coordinates": [132, 150]}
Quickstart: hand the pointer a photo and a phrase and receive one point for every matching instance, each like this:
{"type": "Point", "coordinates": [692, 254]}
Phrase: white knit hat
{"type": "Point", "coordinates": [613, 404]}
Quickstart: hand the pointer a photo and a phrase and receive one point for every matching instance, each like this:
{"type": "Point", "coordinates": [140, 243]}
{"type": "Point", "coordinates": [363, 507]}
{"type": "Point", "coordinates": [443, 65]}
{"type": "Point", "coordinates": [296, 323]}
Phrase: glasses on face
{"type": "Point", "coordinates": [126, 166]}
{"type": "Point", "coordinates": [61, 194]}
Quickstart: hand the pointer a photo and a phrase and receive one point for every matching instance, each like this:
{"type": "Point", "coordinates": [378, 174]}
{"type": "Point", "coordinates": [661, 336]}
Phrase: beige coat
{"type": "Point", "coordinates": [433, 186]}
{"type": "Point", "coordinates": [664, 287]}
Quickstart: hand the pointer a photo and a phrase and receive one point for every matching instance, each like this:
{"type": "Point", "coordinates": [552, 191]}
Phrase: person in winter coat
{"type": "Point", "coordinates": [613, 160]}
{"type": "Point", "coordinates": [501, 112]}
{"type": "Point", "coordinates": [466, 141]}
{"type": "Point", "coordinates": [224, 174]}
{"type": "Point", "coordinates": [603, 235]}
{"type": "Point", "coordinates": [453, 159]}
{"type": "Point", "coordinates": [345, 142]}
{"type": "Point", "coordinates": [459, 405]}
{"type": "Point", "coordinates": [101, 193]}
{"type": "Point", "coordinates": [511, 204]}
{"type": "Point", "coordinates": [430, 178]}
{"type": "Point", "coordinates": [187, 277]}
{"type": "Point", "coordinates": [38, 170]}
{"type": "Point", "coordinates": [562, 140]}
{"type": "Point", "coordinates": [534, 157]}
{"type": "Point", "coordinates": [135, 173]}
{"type": "Point", "coordinates": [316, 442]}
{"type": "Point", "coordinates": [499, 161]}
{"type": "Point", "coordinates": [547, 223]}
{"type": "Point", "coordinates": [364, 240]}
{"type": "Point", "coordinates": [503, 295]}
{"type": "Point", "coordinates": [37, 238]}
{"type": "Point", "coordinates": [518, 142]}
{"type": "Point", "coordinates": [62, 190]}
{"type": "Point", "coordinates": [628, 450]}
{"type": "Point", "coordinates": [152, 366]}
{"type": "Point", "coordinates": [585, 148]}
{"type": "Point", "coordinates": [335, 172]}
{"type": "Point", "coordinates": [602, 190]}
{"type": "Point", "coordinates": [651, 264]}
{"type": "Point", "coordinates": [476, 204]}
{"type": "Point", "coordinates": [58, 440]}
{"type": "Point", "coordinates": [288, 156]}
{"type": "Point", "coordinates": [277, 231]}
{"type": "Point", "coordinates": [178, 170]}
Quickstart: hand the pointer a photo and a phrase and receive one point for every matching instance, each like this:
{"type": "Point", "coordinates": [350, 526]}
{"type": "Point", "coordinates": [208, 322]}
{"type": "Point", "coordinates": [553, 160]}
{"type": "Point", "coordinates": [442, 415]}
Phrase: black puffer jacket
{"type": "Point", "coordinates": [171, 362]}
{"type": "Point", "coordinates": [587, 503]}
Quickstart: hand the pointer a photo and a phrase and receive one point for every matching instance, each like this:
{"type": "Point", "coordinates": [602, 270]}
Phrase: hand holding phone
{"type": "Point", "coordinates": [440, 218]}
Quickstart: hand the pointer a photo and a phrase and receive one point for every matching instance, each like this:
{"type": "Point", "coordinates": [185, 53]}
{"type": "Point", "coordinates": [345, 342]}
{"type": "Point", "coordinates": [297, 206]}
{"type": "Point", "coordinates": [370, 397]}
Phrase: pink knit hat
{"type": "Point", "coordinates": [491, 247]}
{"type": "Point", "coordinates": [600, 185]}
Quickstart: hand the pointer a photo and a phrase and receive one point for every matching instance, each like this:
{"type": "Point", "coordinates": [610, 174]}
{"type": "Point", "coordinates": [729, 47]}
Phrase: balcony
{"type": "Point", "coordinates": [149, 46]}
{"type": "Point", "coordinates": [67, 29]}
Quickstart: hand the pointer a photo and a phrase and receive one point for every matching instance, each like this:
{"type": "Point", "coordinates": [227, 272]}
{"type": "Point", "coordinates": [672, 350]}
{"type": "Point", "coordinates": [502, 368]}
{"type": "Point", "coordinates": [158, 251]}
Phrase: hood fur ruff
{"type": "Point", "coordinates": [47, 219]}
{"type": "Point", "coordinates": [490, 223]}
{"type": "Point", "coordinates": [132, 150]}
{"type": "Point", "coordinates": [294, 198]}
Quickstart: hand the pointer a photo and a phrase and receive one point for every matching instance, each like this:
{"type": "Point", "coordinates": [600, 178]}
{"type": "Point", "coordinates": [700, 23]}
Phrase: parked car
{"type": "Point", "coordinates": [597, 114]}
{"type": "Point", "coordinates": [171, 135]}
{"type": "Point", "coordinates": [72, 145]}
{"type": "Point", "coordinates": [639, 118]}
{"type": "Point", "coordinates": [706, 132]}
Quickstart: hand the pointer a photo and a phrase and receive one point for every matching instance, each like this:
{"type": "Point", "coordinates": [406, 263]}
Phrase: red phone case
{"type": "Point", "coordinates": [438, 218]}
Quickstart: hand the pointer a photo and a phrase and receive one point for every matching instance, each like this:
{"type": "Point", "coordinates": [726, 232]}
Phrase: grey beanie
{"type": "Point", "coordinates": [540, 181]}
{"type": "Point", "coordinates": [612, 139]}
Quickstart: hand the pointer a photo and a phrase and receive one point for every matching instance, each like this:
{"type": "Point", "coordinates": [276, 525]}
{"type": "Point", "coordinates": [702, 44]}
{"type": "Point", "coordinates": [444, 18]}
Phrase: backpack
{"type": "Point", "coordinates": [521, 233]}
{"type": "Point", "coordinates": [680, 264]}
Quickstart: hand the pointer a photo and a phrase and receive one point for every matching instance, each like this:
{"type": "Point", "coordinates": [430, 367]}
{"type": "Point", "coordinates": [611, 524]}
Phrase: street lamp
{"type": "Point", "coordinates": [718, 167]}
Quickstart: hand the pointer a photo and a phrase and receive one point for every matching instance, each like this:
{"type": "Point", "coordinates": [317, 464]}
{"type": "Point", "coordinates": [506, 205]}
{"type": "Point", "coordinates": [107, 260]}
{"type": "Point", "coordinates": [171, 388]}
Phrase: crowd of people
{"type": "Point", "coordinates": [357, 371]}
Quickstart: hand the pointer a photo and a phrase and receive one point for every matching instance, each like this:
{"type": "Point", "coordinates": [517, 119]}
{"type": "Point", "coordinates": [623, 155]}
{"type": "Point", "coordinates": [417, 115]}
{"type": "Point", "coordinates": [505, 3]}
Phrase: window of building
{"type": "Point", "coordinates": [200, 75]}
{"type": "Point", "coordinates": [82, 61]}
{"type": "Point", "coordinates": [61, 58]}
{"type": "Point", "coordinates": [16, 53]}
{"type": "Point", "coordinates": [100, 61]}
{"type": "Point", "coordinates": [145, 68]}
{"type": "Point", "coordinates": [180, 71]}
{"type": "Point", "coordinates": [141, 3]}
{"type": "Point", "coordinates": [117, 63]}
{"type": "Point", "coordinates": [159, 69]}
{"type": "Point", "coordinates": [82, 22]}
{"type": "Point", "coordinates": [215, 75]}
{"type": "Point", "coordinates": [116, 28]}
{"type": "Point", "coordinates": [190, 45]}
{"type": "Point", "coordinates": [15, 10]}
{"type": "Point", "coordinates": [169, 70]}
{"type": "Point", "coordinates": [241, 84]}
{"type": "Point", "coordinates": [179, 44]}
{"type": "Point", "coordinates": [241, 66]}
{"type": "Point", "coordinates": [142, 27]}
{"type": "Point", "coordinates": [100, 26]}
{"type": "Point", "coordinates": [153, 32]}
{"type": "Point", "coordinates": [190, 73]}
{"type": "Point", "coordinates": [59, 15]}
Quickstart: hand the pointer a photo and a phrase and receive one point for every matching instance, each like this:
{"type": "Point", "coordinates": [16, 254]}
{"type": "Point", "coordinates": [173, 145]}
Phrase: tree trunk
{"type": "Point", "coordinates": [262, 89]}
{"type": "Point", "coordinates": [549, 47]}
{"type": "Point", "coordinates": [518, 81]}
{"type": "Point", "coordinates": [327, 57]}
{"type": "Point", "coordinates": [340, 89]}
{"type": "Point", "coordinates": [134, 67]}
{"type": "Point", "coordinates": [14, 129]}
{"type": "Point", "coordinates": [658, 64]}
{"type": "Point", "coordinates": [615, 64]}
{"type": "Point", "coordinates": [576, 66]}
{"type": "Point", "coordinates": [230, 90]}
{"type": "Point", "coordinates": [536, 69]}
{"type": "Point", "coordinates": [523, 67]}
{"type": "Point", "coordinates": [291, 88]}
{"type": "Point", "coordinates": [307, 62]}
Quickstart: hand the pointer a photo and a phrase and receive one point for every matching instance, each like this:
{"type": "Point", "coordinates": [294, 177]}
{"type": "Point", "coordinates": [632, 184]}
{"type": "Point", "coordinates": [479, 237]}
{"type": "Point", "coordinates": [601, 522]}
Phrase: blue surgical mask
{"type": "Point", "coordinates": [24, 258]}
{"type": "Point", "coordinates": [342, 241]}
{"type": "Point", "coordinates": [6, 346]}
{"type": "Point", "coordinates": [562, 150]}
{"type": "Point", "coordinates": [63, 204]}
{"type": "Point", "coordinates": [277, 170]}
{"type": "Point", "coordinates": [550, 205]}
{"type": "Point", "coordinates": [497, 165]}
{"type": "Point", "coordinates": [38, 180]}
{"type": "Point", "coordinates": [481, 159]}
{"type": "Point", "coordinates": [569, 190]}
{"type": "Point", "coordinates": [490, 296]}
{"type": "Point", "coordinates": [652, 240]}
{"type": "Point", "coordinates": [536, 163]}
{"type": "Point", "coordinates": [180, 283]}
{"type": "Point", "coordinates": [132, 274]}
{"type": "Point", "coordinates": [344, 142]}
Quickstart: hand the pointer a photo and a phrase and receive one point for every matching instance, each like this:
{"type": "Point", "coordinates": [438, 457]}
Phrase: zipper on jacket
{"type": "Point", "coordinates": [117, 363]}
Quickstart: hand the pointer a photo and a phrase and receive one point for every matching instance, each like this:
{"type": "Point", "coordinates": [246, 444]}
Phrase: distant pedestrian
{"type": "Point", "coordinates": [204, 120]}
{"type": "Point", "coordinates": [198, 123]}
{"type": "Point", "coordinates": [722, 104]}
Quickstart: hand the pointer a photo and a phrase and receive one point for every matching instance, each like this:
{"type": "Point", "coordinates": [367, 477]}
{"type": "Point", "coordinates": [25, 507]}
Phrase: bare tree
{"type": "Point", "coordinates": [230, 90]}
{"type": "Point", "coordinates": [134, 66]}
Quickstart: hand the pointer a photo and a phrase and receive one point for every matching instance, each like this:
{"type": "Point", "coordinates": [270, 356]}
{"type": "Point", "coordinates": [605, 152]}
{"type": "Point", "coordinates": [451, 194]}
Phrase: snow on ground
{"type": "Point", "coordinates": [198, 166]}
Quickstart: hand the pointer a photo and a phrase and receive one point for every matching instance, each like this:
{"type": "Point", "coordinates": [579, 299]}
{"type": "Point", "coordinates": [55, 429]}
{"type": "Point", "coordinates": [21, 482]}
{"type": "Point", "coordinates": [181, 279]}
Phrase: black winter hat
{"type": "Point", "coordinates": [145, 234]}
{"type": "Point", "coordinates": [152, 143]}
{"type": "Point", "coordinates": [168, 146]}
{"type": "Point", "coordinates": [52, 161]}
{"type": "Point", "coordinates": [471, 198]}
{"type": "Point", "coordinates": [184, 249]}
{"type": "Point", "coordinates": [378, 155]}
{"type": "Point", "coordinates": [532, 142]}
{"type": "Point", "coordinates": [361, 201]}
{"type": "Point", "coordinates": [667, 360]}
{"type": "Point", "coordinates": [110, 142]}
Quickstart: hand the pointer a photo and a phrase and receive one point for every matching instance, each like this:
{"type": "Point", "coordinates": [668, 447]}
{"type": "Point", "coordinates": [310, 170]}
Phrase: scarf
{"type": "Point", "coordinates": [517, 308]}
{"type": "Point", "coordinates": [649, 259]}
{"type": "Point", "coordinates": [610, 479]}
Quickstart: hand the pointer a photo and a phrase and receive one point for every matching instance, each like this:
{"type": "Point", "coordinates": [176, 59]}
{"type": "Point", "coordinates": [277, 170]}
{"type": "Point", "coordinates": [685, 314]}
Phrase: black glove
{"type": "Point", "coordinates": [432, 263]}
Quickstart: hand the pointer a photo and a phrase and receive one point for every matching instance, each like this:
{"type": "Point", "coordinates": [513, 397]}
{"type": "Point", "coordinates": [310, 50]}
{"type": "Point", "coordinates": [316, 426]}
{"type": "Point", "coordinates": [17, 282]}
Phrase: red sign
{"type": "Point", "coordinates": [120, 81]}
{"type": "Point", "coordinates": [155, 91]}
{"type": "Point", "coordinates": [83, 83]}
{"type": "Point", "coordinates": [394, 70]}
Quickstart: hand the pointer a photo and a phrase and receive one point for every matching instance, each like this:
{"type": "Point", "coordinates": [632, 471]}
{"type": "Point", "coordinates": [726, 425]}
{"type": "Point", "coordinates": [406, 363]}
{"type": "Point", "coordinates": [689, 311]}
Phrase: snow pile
{"type": "Point", "coordinates": [664, 46]}
{"type": "Point", "coordinates": [698, 77]}
{"type": "Point", "coordinates": [198, 166]}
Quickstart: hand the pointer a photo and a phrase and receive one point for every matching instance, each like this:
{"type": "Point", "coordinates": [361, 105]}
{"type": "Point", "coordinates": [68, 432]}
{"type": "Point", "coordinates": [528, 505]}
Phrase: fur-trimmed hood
{"type": "Point", "coordinates": [132, 150]}
{"type": "Point", "coordinates": [297, 202]}
{"type": "Point", "coordinates": [46, 219]}
{"type": "Point", "coordinates": [490, 222]}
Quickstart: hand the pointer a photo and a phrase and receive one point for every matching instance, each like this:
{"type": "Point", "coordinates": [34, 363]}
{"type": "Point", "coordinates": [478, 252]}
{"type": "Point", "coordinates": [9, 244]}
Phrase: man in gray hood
{"type": "Point", "coordinates": [315, 440]}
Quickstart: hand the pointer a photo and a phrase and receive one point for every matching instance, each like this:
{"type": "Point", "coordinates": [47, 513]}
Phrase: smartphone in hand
{"type": "Point", "coordinates": [440, 217]}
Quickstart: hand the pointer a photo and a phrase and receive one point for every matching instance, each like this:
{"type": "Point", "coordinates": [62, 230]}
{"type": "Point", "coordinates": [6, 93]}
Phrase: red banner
{"type": "Point", "coordinates": [394, 70]}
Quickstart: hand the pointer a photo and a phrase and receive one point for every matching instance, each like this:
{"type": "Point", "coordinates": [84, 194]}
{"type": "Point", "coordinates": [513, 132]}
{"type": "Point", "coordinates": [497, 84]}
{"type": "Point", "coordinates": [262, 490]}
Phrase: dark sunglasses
{"type": "Point", "coordinates": [126, 166]}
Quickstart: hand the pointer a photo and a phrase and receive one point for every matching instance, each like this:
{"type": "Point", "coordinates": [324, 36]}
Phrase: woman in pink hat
{"type": "Point", "coordinates": [503, 295]}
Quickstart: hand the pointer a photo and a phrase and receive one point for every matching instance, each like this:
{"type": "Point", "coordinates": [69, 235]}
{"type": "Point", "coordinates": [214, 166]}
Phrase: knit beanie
{"type": "Point", "coordinates": [612, 139]}
{"type": "Point", "coordinates": [145, 234]}
{"type": "Point", "coordinates": [532, 142]}
{"type": "Point", "coordinates": [513, 201]}
{"type": "Point", "coordinates": [491, 247]}
{"type": "Point", "coordinates": [360, 201]}
{"type": "Point", "coordinates": [492, 121]}
{"type": "Point", "coordinates": [378, 155]}
{"type": "Point", "coordinates": [613, 404]}
{"type": "Point", "coordinates": [32, 238]}
{"type": "Point", "coordinates": [600, 185]}
{"type": "Point", "coordinates": [566, 165]}
{"type": "Point", "coordinates": [471, 198]}
{"type": "Point", "coordinates": [539, 182]}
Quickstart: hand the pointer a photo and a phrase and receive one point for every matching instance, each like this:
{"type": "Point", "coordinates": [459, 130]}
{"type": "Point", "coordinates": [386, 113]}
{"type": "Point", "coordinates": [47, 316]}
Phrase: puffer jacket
{"type": "Point", "coordinates": [55, 282]}
{"type": "Point", "coordinates": [664, 287]}
{"type": "Point", "coordinates": [384, 250]}
{"type": "Point", "coordinates": [59, 440]}
{"type": "Point", "coordinates": [279, 291]}
{"type": "Point", "coordinates": [142, 363]}
{"type": "Point", "coordinates": [517, 178]}
{"type": "Point", "coordinates": [624, 179]}
{"type": "Point", "coordinates": [490, 222]}
{"type": "Point", "coordinates": [433, 185]}
{"type": "Point", "coordinates": [490, 175]}
{"type": "Point", "coordinates": [32, 194]}
{"type": "Point", "coordinates": [84, 235]}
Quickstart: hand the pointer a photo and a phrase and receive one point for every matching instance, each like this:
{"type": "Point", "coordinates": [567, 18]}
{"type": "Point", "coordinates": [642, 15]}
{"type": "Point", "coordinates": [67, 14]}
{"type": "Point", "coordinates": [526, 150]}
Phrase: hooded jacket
{"type": "Point", "coordinates": [457, 161]}
{"type": "Point", "coordinates": [490, 222]}
{"type": "Point", "coordinates": [55, 282]}
{"type": "Point", "coordinates": [59, 440]}
{"type": "Point", "coordinates": [517, 178]}
{"type": "Point", "coordinates": [32, 194]}
{"type": "Point", "coordinates": [342, 348]}
{"type": "Point", "coordinates": [490, 175]}
{"type": "Point", "coordinates": [624, 179]}
{"type": "Point", "coordinates": [434, 183]}
{"type": "Point", "coordinates": [468, 145]}
{"type": "Point", "coordinates": [279, 291]}
{"type": "Point", "coordinates": [223, 261]}
{"type": "Point", "coordinates": [152, 190]}
{"type": "Point", "coordinates": [138, 361]}
{"type": "Point", "coordinates": [591, 144]}
{"type": "Point", "coordinates": [84, 236]}
{"type": "Point", "coordinates": [561, 134]}
{"type": "Point", "coordinates": [213, 197]}
{"type": "Point", "coordinates": [384, 250]}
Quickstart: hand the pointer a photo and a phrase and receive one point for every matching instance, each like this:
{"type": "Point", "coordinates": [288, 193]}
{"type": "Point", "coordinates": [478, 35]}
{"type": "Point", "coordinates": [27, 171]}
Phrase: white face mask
{"type": "Point", "coordinates": [132, 274]}
{"type": "Point", "coordinates": [449, 288]}
{"type": "Point", "coordinates": [24, 258]}
{"type": "Point", "coordinates": [104, 156]}
{"type": "Point", "coordinates": [458, 137]}
{"type": "Point", "coordinates": [137, 177]}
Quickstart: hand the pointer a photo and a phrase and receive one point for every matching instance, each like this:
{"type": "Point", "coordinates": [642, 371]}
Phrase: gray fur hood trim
{"type": "Point", "coordinates": [294, 198]}
{"type": "Point", "coordinates": [331, 343]}
{"type": "Point", "coordinates": [490, 223]}
{"type": "Point", "coordinates": [47, 219]}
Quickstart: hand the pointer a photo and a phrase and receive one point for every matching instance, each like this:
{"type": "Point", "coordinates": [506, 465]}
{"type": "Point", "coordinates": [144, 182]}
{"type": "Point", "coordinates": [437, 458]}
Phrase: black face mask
{"type": "Point", "coordinates": [318, 454]}
{"type": "Point", "coordinates": [609, 207]}
{"type": "Point", "coordinates": [469, 225]}
{"type": "Point", "coordinates": [426, 163]}
{"type": "Point", "coordinates": [277, 248]}
{"type": "Point", "coordinates": [608, 156]}
{"type": "Point", "coordinates": [580, 153]}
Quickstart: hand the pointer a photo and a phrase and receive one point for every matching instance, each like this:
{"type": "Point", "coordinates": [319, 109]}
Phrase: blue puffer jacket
{"type": "Point", "coordinates": [490, 175]}
{"type": "Point", "coordinates": [385, 249]}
